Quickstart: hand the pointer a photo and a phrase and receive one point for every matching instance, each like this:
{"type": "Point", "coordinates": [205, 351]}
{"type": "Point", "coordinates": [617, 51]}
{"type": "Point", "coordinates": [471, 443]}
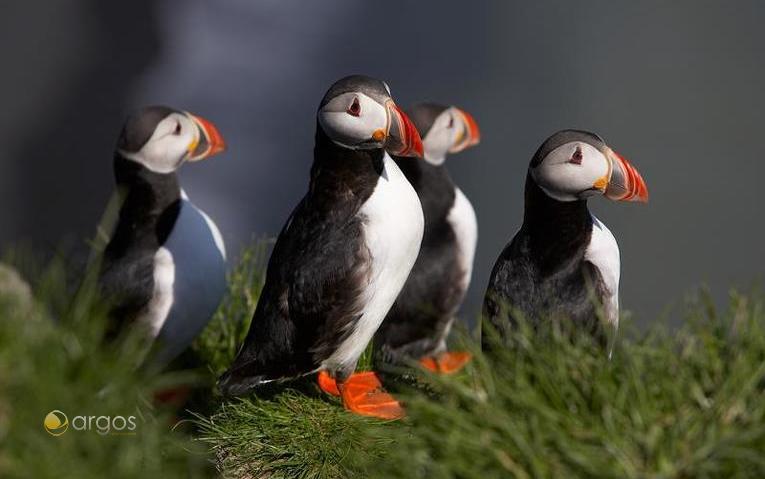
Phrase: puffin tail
{"type": "Point", "coordinates": [231, 384]}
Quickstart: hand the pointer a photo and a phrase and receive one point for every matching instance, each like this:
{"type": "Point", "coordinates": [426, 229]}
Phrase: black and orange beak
{"type": "Point", "coordinates": [209, 143]}
{"type": "Point", "coordinates": [625, 182]}
{"type": "Point", "coordinates": [469, 135]}
{"type": "Point", "coordinates": [402, 138]}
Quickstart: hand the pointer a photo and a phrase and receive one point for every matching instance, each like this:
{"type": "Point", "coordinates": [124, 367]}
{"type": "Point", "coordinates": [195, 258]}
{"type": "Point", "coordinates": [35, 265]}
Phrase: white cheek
{"type": "Point", "coordinates": [164, 152]}
{"type": "Point", "coordinates": [163, 155]}
{"type": "Point", "coordinates": [567, 181]}
{"type": "Point", "coordinates": [438, 140]}
{"type": "Point", "coordinates": [592, 170]}
{"type": "Point", "coordinates": [349, 130]}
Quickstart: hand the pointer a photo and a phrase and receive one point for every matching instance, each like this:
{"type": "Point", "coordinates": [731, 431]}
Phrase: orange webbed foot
{"type": "Point", "coordinates": [328, 384]}
{"type": "Point", "coordinates": [446, 363]}
{"type": "Point", "coordinates": [363, 394]}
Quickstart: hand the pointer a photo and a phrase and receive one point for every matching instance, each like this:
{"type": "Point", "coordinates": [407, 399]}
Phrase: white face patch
{"type": "Point", "coordinates": [569, 172]}
{"type": "Point", "coordinates": [442, 136]}
{"type": "Point", "coordinates": [352, 118]}
{"type": "Point", "coordinates": [168, 146]}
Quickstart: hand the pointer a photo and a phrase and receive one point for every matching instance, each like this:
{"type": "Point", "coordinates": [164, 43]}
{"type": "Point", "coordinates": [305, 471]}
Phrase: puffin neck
{"type": "Point", "coordinates": [421, 173]}
{"type": "Point", "coordinates": [150, 203]}
{"type": "Point", "coordinates": [558, 231]}
{"type": "Point", "coordinates": [433, 185]}
{"type": "Point", "coordinates": [340, 174]}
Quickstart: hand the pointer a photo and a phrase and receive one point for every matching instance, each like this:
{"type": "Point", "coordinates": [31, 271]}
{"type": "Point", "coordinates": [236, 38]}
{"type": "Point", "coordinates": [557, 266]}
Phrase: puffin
{"type": "Point", "coordinates": [343, 255]}
{"type": "Point", "coordinates": [418, 324]}
{"type": "Point", "coordinates": [563, 264]}
{"type": "Point", "coordinates": [163, 269]}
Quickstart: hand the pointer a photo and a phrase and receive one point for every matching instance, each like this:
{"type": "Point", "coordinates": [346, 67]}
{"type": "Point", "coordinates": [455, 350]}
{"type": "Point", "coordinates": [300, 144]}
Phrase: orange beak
{"type": "Point", "coordinates": [625, 183]}
{"type": "Point", "coordinates": [403, 138]}
{"type": "Point", "coordinates": [470, 135]}
{"type": "Point", "coordinates": [210, 140]}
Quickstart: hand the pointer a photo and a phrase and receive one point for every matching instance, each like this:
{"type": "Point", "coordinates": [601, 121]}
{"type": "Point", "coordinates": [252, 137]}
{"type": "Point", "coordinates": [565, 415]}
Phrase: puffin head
{"type": "Point", "coordinates": [574, 165]}
{"type": "Point", "coordinates": [358, 113]}
{"type": "Point", "coordinates": [444, 129]}
{"type": "Point", "coordinates": [162, 139]}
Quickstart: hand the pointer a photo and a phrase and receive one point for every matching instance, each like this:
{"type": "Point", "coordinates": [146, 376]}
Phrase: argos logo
{"type": "Point", "coordinates": [57, 423]}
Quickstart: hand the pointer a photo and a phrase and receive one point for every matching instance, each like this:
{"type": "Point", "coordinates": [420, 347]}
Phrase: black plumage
{"type": "Point", "coordinates": [418, 321]}
{"type": "Point", "coordinates": [543, 273]}
{"type": "Point", "coordinates": [343, 255]}
{"type": "Point", "coordinates": [163, 269]}
{"type": "Point", "coordinates": [150, 204]}
{"type": "Point", "coordinates": [316, 274]}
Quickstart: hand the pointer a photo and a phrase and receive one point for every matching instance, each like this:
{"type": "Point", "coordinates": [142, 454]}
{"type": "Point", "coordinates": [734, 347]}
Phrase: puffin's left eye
{"type": "Point", "coordinates": [577, 157]}
{"type": "Point", "coordinates": [177, 130]}
{"type": "Point", "coordinates": [355, 108]}
{"type": "Point", "coordinates": [451, 122]}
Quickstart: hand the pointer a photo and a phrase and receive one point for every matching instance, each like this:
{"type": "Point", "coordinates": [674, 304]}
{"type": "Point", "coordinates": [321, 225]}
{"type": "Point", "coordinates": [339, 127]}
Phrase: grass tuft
{"type": "Point", "coordinates": [52, 357]}
{"type": "Point", "coordinates": [289, 435]}
{"type": "Point", "coordinates": [685, 404]}
{"type": "Point", "coordinates": [218, 344]}
{"type": "Point", "coordinates": [670, 403]}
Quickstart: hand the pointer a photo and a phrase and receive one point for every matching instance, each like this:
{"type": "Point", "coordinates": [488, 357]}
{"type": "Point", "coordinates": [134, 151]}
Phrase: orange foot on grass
{"type": "Point", "coordinates": [362, 393]}
{"type": "Point", "coordinates": [446, 363]}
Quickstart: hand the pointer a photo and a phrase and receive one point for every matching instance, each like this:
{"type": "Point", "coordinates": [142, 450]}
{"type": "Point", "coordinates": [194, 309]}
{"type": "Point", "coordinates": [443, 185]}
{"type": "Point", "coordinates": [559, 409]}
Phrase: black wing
{"type": "Point", "coordinates": [315, 279]}
{"type": "Point", "coordinates": [509, 290]}
{"type": "Point", "coordinates": [127, 284]}
{"type": "Point", "coordinates": [126, 280]}
{"type": "Point", "coordinates": [429, 300]}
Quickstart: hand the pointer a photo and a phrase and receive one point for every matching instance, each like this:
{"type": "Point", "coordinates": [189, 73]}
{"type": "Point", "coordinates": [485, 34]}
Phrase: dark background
{"type": "Point", "coordinates": [677, 87]}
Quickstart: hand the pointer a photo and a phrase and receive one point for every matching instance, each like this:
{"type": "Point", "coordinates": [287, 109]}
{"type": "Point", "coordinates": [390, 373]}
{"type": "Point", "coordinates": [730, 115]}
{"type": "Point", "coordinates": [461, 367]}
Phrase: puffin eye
{"type": "Point", "coordinates": [451, 122]}
{"type": "Point", "coordinates": [177, 130]}
{"type": "Point", "coordinates": [355, 108]}
{"type": "Point", "coordinates": [577, 157]}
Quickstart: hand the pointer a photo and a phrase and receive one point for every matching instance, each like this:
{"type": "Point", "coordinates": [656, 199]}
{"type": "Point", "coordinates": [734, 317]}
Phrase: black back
{"type": "Point", "coordinates": [150, 207]}
{"type": "Point", "coordinates": [542, 274]}
{"type": "Point", "coordinates": [433, 292]}
{"type": "Point", "coordinates": [316, 274]}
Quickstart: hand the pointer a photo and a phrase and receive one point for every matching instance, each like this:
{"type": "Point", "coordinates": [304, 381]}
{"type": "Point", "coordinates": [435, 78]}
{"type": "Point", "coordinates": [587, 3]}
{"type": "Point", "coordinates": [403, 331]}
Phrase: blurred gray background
{"type": "Point", "coordinates": [677, 87]}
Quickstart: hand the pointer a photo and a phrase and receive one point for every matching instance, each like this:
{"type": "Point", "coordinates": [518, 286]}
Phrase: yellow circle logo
{"type": "Point", "coordinates": [56, 423]}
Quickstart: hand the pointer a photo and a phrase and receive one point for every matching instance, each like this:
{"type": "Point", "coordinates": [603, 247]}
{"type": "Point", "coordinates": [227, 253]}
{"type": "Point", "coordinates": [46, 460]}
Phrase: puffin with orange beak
{"type": "Point", "coordinates": [418, 324]}
{"type": "Point", "coordinates": [164, 267]}
{"type": "Point", "coordinates": [564, 263]}
{"type": "Point", "coordinates": [343, 255]}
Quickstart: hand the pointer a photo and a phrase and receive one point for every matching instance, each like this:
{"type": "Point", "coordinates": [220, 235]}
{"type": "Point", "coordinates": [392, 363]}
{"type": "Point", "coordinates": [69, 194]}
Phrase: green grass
{"type": "Point", "coordinates": [52, 357]}
{"type": "Point", "coordinates": [292, 430]}
{"type": "Point", "coordinates": [684, 404]}
{"type": "Point", "coordinates": [291, 434]}
{"type": "Point", "coordinates": [681, 403]}
{"type": "Point", "coordinates": [218, 344]}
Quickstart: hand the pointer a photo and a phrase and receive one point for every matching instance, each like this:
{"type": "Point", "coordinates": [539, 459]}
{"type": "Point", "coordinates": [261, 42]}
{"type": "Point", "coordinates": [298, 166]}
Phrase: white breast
{"type": "Point", "coordinates": [393, 228]}
{"type": "Point", "coordinates": [190, 280]}
{"type": "Point", "coordinates": [463, 221]}
{"type": "Point", "coordinates": [214, 231]}
{"type": "Point", "coordinates": [603, 253]}
{"type": "Point", "coordinates": [162, 297]}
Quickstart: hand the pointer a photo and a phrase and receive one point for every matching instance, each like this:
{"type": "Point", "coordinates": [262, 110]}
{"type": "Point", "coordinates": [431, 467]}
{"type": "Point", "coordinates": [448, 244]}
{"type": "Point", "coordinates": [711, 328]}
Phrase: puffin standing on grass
{"type": "Point", "coordinates": [418, 324]}
{"type": "Point", "coordinates": [564, 263]}
{"type": "Point", "coordinates": [164, 267]}
{"type": "Point", "coordinates": [343, 255]}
